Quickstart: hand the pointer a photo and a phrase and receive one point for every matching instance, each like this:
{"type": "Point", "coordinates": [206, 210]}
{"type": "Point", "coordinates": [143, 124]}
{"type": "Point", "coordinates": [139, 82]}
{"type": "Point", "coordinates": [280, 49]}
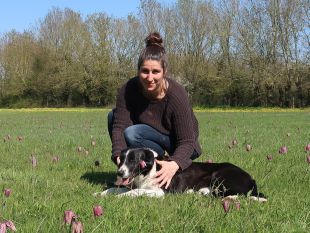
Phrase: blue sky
{"type": "Point", "coordinates": [23, 14]}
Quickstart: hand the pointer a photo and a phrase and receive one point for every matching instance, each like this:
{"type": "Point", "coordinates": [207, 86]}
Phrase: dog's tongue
{"type": "Point", "coordinates": [125, 181]}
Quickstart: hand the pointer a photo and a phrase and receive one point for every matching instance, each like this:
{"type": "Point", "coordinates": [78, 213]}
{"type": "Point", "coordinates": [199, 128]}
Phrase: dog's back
{"type": "Point", "coordinates": [224, 179]}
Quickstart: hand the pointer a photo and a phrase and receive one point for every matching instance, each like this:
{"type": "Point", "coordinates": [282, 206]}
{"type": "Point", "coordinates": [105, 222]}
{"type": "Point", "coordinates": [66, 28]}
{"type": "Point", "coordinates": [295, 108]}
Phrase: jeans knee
{"type": "Point", "coordinates": [132, 136]}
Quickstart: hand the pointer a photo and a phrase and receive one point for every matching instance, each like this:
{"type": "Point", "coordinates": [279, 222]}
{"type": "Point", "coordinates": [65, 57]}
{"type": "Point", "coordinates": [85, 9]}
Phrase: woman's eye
{"type": "Point", "coordinates": [145, 71]}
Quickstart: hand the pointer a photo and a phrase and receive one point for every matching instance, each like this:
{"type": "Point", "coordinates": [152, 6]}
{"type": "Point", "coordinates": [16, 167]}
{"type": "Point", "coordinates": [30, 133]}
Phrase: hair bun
{"type": "Point", "coordinates": [154, 39]}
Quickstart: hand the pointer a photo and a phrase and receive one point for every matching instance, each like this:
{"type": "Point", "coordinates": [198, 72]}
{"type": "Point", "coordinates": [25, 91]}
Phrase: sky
{"type": "Point", "coordinates": [24, 14]}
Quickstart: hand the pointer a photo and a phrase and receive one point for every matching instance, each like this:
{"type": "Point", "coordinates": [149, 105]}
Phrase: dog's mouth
{"type": "Point", "coordinates": [123, 181]}
{"type": "Point", "coordinates": [126, 181]}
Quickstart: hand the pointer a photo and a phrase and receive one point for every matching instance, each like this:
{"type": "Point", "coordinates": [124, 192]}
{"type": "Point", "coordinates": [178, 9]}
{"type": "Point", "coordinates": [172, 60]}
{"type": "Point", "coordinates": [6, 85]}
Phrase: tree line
{"type": "Point", "coordinates": [225, 53]}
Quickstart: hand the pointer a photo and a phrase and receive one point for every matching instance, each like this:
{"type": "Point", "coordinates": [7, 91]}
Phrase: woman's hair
{"type": "Point", "coordinates": [154, 50]}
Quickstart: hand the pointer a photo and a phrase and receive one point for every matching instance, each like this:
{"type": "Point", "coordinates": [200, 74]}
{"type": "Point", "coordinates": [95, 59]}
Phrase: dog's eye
{"type": "Point", "coordinates": [122, 158]}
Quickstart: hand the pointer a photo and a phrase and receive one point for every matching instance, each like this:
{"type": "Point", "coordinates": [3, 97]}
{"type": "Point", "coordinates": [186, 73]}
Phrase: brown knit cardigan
{"type": "Point", "coordinates": [172, 115]}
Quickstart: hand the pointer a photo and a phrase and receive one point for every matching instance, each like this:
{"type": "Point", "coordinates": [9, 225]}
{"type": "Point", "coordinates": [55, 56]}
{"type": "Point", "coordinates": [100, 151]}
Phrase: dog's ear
{"type": "Point", "coordinates": [142, 164]}
{"type": "Point", "coordinates": [148, 158]}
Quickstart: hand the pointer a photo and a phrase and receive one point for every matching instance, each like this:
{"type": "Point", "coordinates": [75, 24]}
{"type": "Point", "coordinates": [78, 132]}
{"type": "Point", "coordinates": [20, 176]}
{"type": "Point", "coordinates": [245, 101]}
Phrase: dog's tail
{"type": "Point", "coordinates": [255, 195]}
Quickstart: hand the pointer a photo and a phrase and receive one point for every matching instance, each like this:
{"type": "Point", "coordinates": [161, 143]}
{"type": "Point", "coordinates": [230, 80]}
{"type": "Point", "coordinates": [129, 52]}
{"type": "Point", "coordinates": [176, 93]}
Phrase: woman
{"type": "Point", "coordinates": [154, 111]}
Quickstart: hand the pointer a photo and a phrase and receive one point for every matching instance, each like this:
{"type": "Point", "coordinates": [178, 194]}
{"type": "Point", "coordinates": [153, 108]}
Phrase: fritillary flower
{"type": "Point", "coordinates": [68, 216]}
{"type": "Point", "coordinates": [7, 192]}
{"type": "Point", "coordinates": [55, 159]}
{"type": "Point", "coordinates": [237, 205]}
{"type": "Point", "coordinates": [98, 211]}
{"type": "Point", "coordinates": [9, 224]}
{"type": "Point", "coordinates": [33, 161]}
{"type": "Point", "coordinates": [248, 147]}
{"type": "Point", "coordinates": [234, 142]}
{"type": "Point", "coordinates": [283, 150]}
{"type": "Point", "coordinates": [2, 227]}
{"type": "Point", "coordinates": [226, 204]}
{"type": "Point", "coordinates": [77, 227]}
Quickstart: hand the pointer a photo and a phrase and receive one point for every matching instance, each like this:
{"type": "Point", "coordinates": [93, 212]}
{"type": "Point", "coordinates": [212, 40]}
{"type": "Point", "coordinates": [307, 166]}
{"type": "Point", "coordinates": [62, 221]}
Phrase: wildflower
{"type": "Point", "coordinates": [77, 227]}
{"type": "Point", "coordinates": [209, 161]}
{"type": "Point", "coordinates": [225, 204]}
{"type": "Point", "coordinates": [93, 143]}
{"type": "Point", "coordinates": [9, 224]}
{"type": "Point", "coordinates": [98, 211]}
{"type": "Point", "coordinates": [269, 157]}
{"type": "Point", "coordinates": [33, 161]}
{"type": "Point", "coordinates": [55, 159]}
{"type": "Point", "coordinates": [2, 227]}
{"type": "Point", "coordinates": [307, 147]}
{"type": "Point", "coordinates": [68, 216]}
{"type": "Point", "coordinates": [283, 150]}
{"type": "Point", "coordinates": [234, 142]}
{"type": "Point", "coordinates": [248, 147]}
{"type": "Point", "coordinates": [237, 205]}
{"type": "Point", "coordinates": [7, 192]}
{"type": "Point", "coordinates": [79, 149]}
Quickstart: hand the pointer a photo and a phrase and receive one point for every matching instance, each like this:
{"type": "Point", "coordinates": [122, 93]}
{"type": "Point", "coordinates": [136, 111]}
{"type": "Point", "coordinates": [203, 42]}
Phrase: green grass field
{"type": "Point", "coordinates": [41, 194]}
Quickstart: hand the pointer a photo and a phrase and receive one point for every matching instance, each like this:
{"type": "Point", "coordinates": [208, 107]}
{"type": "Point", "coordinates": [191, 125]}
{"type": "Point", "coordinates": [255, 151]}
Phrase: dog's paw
{"type": "Point", "coordinates": [99, 194]}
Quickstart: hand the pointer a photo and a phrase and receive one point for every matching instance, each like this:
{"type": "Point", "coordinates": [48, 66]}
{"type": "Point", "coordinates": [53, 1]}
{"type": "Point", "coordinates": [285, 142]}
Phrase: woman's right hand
{"type": "Point", "coordinates": [118, 161]}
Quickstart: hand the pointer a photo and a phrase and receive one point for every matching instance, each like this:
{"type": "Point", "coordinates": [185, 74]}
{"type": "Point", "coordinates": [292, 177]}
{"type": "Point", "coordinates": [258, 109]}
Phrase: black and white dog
{"type": "Point", "coordinates": [138, 167]}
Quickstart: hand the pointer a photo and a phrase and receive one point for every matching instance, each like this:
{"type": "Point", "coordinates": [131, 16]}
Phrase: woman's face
{"type": "Point", "coordinates": [151, 76]}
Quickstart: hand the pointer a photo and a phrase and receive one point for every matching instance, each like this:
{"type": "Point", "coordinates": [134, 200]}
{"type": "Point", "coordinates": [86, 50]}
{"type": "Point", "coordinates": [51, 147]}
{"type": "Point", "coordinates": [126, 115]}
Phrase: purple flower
{"type": "Point", "coordinates": [33, 161]}
{"type": "Point", "coordinates": [98, 211]}
{"type": "Point", "coordinates": [2, 227]}
{"type": "Point", "coordinates": [9, 224]}
{"type": "Point", "coordinates": [234, 142]}
{"type": "Point", "coordinates": [7, 192]}
{"type": "Point", "coordinates": [307, 147]}
{"type": "Point", "coordinates": [55, 159]}
{"type": "Point", "coordinates": [77, 227]}
{"type": "Point", "coordinates": [68, 216]}
{"type": "Point", "coordinates": [237, 205]}
{"type": "Point", "coordinates": [225, 204]}
{"type": "Point", "coordinates": [283, 150]}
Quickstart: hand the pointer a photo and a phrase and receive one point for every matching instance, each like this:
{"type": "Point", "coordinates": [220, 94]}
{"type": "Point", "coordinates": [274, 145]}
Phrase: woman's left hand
{"type": "Point", "coordinates": [165, 174]}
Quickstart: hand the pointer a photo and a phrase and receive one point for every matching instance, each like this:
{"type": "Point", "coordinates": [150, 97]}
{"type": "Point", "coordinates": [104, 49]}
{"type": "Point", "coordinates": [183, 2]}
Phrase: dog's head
{"type": "Point", "coordinates": [134, 162]}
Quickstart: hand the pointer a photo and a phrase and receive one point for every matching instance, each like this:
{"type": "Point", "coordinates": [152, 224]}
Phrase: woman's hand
{"type": "Point", "coordinates": [165, 174]}
{"type": "Point", "coordinates": [117, 160]}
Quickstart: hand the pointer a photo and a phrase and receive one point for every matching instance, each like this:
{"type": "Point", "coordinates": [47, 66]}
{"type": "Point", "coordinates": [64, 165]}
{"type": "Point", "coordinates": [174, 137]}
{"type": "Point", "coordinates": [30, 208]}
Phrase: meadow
{"type": "Point", "coordinates": [72, 152]}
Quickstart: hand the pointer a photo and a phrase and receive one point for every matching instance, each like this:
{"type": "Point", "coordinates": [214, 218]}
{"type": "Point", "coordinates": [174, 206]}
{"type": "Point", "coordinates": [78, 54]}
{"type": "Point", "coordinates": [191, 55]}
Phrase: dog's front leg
{"type": "Point", "coordinates": [109, 191]}
{"type": "Point", "coordinates": [142, 192]}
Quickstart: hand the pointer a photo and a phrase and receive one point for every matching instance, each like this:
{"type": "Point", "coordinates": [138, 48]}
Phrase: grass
{"type": "Point", "coordinates": [40, 195]}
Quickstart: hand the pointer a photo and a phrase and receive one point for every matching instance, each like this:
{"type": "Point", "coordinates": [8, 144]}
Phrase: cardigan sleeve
{"type": "Point", "coordinates": [183, 128]}
{"type": "Point", "coordinates": [121, 122]}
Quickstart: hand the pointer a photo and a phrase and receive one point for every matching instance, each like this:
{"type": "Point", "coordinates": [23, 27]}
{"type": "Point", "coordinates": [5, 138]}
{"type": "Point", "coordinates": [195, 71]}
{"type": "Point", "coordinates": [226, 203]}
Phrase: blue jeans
{"type": "Point", "coordinates": [142, 135]}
